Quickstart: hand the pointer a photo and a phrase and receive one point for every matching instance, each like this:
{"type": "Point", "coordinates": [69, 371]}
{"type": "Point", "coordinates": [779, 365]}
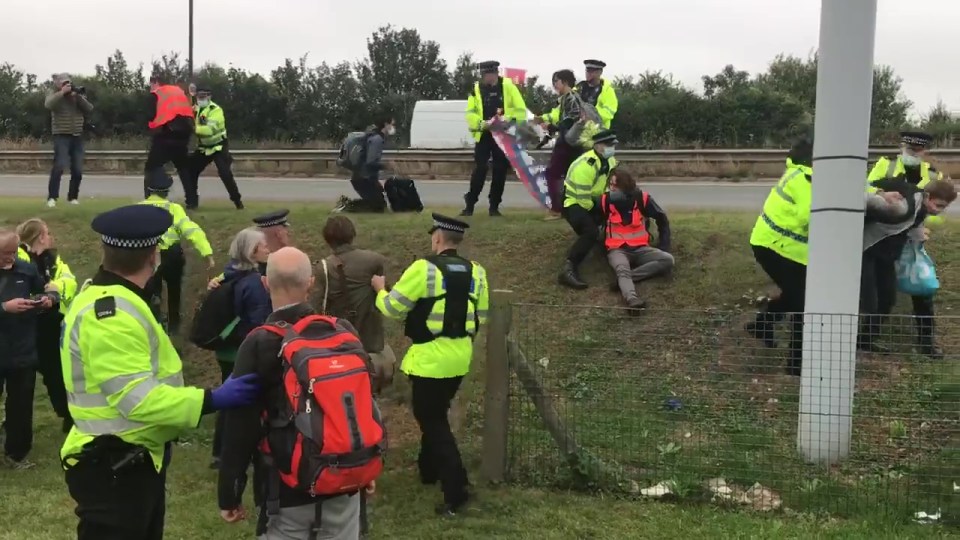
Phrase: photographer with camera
{"type": "Point", "coordinates": [67, 105]}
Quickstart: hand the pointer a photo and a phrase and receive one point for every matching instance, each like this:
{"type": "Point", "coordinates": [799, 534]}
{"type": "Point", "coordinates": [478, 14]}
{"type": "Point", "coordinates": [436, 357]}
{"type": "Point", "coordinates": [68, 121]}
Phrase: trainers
{"type": "Point", "coordinates": [342, 203]}
{"type": "Point", "coordinates": [20, 465]}
{"type": "Point", "coordinates": [74, 202]}
{"type": "Point", "coordinates": [51, 203]}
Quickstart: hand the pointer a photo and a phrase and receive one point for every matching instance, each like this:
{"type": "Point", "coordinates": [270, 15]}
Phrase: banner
{"type": "Point", "coordinates": [512, 140]}
{"type": "Point", "coordinates": [517, 75]}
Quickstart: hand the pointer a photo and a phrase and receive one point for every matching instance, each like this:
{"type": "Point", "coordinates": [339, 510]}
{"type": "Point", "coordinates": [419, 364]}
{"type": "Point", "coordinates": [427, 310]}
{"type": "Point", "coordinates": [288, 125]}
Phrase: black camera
{"type": "Point", "coordinates": [81, 90]}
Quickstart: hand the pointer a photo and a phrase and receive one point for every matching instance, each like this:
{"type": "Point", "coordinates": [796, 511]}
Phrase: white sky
{"type": "Point", "coordinates": [688, 38]}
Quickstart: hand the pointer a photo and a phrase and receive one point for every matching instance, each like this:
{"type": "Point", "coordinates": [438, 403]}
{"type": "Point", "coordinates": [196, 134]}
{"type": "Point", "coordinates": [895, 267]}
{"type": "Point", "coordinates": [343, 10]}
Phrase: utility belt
{"type": "Point", "coordinates": [110, 452]}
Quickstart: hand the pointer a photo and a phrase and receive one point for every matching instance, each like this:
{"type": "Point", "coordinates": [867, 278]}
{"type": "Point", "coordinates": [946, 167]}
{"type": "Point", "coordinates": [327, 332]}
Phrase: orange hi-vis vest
{"type": "Point", "coordinates": [620, 234]}
{"type": "Point", "coordinates": [172, 102]}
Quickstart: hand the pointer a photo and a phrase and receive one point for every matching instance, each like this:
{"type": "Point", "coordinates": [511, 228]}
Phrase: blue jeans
{"type": "Point", "coordinates": [67, 152]}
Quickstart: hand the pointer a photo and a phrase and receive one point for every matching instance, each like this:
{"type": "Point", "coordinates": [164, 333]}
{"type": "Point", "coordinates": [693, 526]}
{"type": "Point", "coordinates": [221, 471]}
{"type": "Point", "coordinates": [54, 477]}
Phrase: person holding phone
{"type": "Point", "coordinates": [22, 298]}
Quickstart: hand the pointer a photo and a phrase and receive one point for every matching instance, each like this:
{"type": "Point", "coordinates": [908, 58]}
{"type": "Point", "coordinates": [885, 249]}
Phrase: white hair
{"type": "Point", "coordinates": [7, 233]}
{"type": "Point", "coordinates": [293, 274]}
{"type": "Point", "coordinates": [243, 246]}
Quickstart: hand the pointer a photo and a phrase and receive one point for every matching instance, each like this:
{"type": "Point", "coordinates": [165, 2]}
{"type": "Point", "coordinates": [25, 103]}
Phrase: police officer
{"type": "Point", "coordinates": [910, 163]}
{"type": "Point", "coordinates": [276, 229]}
{"type": "Point", "coordinates": [172, 259]}
{"type": "Point", "coordinates": [598, 92]}
{"type": "Point", "coordinates": [492, 96]}
{"type": "Point", "coordinates": [585, 183]}
{"type": "Point", "coordinates": [125, 386]}
{"type": "Point", "coordinates": [212, 145]}
{"type": "Point", "coordinates": [445, 300]}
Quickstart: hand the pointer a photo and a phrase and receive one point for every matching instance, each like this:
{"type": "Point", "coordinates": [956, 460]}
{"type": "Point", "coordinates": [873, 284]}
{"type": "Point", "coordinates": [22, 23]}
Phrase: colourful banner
{"type": "Point", "coordinates": [512, 140]}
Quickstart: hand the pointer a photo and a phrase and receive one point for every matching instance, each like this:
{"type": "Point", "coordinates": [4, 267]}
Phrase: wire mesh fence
{"type": "Point", "coordinates": [700, 405]}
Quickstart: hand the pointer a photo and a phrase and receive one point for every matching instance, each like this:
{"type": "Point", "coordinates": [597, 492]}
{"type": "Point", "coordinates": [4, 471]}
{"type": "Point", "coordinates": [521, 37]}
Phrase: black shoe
{"type": "Point", "coordinates": [238, 205]}
{"type": "Point", "coordinates": [762, 332]}
{"type": "Point", "coordinates": [570, 278]}
{"type": "Point", "coordinates": [495, 212]}
{"type": "Point", "coordinates": [467, 212]}
{"type": "Point", "coordinates": [450, 510]}
{"type": "Point", "coordinates": [468, 206]}
{"type": "Point", "coordinates": [66, 425]}
{"type": "Point", "coordinates": [215, 464]}
{"type": "Point", "coordinates": [636, 305]}
{"type": "Point", "coordinates": [191, 206]}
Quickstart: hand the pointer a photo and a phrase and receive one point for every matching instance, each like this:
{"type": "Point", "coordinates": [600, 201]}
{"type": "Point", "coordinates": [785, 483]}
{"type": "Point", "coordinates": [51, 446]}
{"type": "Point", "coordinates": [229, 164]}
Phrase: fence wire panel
{"type": "Point", "coordinates": [691, 405]}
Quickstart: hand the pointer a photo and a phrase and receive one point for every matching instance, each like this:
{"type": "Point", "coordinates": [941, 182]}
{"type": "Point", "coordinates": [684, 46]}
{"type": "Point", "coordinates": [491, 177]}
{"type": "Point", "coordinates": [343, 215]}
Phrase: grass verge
{"type": "Point", "coordinates": [610, 390]}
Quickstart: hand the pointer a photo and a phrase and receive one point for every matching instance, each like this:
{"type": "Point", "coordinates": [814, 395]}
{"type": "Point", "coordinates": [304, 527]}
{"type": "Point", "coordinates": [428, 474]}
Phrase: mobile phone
{"type": "Point", "coordinates": [37, 298]}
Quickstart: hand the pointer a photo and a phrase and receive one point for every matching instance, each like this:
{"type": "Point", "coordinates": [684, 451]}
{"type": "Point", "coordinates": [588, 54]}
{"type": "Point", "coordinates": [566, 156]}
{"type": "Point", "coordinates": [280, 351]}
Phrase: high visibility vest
{"type": "Point", "coordinates": [422, 293]}
{"type": "Point", "coordinates": [620, 234]}
{"type": "Point", "coordinates": [514, 107]}
{"type": "Point", "coordinates": [172, 102]}
{"type": "Point", "coordinates": [784, 224]}
{"type": "Point", "coordinates": [586, 180]}
{"type": "Point", "coordinates": [211, 129]}
{"type": "Point", "coordinates": [62, 276]}
{"type": "Point", "coordinates": [123, 376]}
{"type": "Point", "coordinates": [183, 227]}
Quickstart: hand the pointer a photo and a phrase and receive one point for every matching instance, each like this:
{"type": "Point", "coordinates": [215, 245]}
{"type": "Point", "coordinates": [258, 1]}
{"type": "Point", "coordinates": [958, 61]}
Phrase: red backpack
{"type": "Point", "coordinates": [326, 436]}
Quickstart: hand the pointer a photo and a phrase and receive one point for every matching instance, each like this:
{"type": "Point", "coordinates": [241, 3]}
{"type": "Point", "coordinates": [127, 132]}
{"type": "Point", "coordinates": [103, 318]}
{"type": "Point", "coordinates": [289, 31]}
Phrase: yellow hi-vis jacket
{"type": "Point", "coordinates": [607, 105]}
{"type": "Point", "coordinates": [64, 279]}
{"type": "Point", "coordinates": [887, 167]}
{"type": "Point", "coordinates": [586, 180]}
{"type": "Point", "coordinates": [513, 107]}
{"type": "Point", "coordinates": [784, 224]}
{"type": "Point", "coordinates": [122, 374]}
{"type": "Point", "coordinates": [211, 128]}
{"type": "Point", "coordinates": [183, 227]}
{"type": "Point", "coordinates": [443, 357]}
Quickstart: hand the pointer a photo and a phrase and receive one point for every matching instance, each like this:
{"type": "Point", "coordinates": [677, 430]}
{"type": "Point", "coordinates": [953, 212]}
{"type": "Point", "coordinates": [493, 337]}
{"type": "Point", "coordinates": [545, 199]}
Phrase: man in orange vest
{"type": "Point", "coordinates": [172, 129]}
{"type": "Point", "coordinates": [626, 211]}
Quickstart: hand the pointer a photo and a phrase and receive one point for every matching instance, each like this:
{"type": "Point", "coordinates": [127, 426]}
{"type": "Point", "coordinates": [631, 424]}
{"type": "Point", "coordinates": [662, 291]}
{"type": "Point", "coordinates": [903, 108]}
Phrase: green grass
{"type": "Point", "coordinates": [609, 376]}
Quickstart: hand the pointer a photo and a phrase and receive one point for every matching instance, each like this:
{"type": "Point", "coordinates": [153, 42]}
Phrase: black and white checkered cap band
{"type": "Point", "coordinates": [915, 141]}
{"type": "Point", "coordinates": [272, 222]}
{"type": "Point", "coordinates": [130, 243]}
{"type": "Point", "coordinates": [594, 66]}
{"type": "Point", "coordinates": [448, 226]}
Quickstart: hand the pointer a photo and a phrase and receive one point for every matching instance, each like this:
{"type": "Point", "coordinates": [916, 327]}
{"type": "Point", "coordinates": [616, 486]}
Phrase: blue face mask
{"type": "Point", "coordinates": [609, 151]}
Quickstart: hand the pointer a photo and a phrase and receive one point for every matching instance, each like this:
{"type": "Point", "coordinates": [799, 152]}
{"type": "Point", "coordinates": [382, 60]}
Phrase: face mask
{"type": "Point", "coordinates": [203, 102]}
{"type": "Point", "coordinates": [609, 151]}
{"type": "Point", "coordinates": [909, 160]}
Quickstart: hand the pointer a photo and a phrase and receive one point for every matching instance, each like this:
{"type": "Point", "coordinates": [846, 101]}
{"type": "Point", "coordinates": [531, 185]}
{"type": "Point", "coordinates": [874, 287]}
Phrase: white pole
{"type": "Point", "coordinates": [841, 139]}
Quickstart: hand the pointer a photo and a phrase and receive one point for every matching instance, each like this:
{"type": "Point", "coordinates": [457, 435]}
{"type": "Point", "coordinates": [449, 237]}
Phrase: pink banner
{"type": "Point", "coordinates": [517, 75]}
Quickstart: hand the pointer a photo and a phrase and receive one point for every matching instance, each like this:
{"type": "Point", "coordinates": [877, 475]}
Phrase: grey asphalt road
{"type": "Point", "coordinates": [682, 195]}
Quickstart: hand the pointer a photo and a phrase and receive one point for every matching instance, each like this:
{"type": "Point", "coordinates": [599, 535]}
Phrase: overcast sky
{"type": "Point", "coordinates": [688, 38]}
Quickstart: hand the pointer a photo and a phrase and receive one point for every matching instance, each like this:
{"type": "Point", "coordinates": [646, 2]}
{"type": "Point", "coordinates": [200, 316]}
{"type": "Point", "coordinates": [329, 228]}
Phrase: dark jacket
{"type": "Point", "coordinates": [350, 296]}
{"type": "Point", "coordinates": [650, 211]}
{"type": "Point", "coordinates": [373, 163]}
{"type": "Point", "coordinates": [18, 331]}
{"type": "Point", "coordinates": [242, 428]}
{"type": "Point", "coordinates": [251, 301]}
{"type": "Point", "coordinates": [890, 247]}
{"type": "Point", "coordinates": [48, 321]}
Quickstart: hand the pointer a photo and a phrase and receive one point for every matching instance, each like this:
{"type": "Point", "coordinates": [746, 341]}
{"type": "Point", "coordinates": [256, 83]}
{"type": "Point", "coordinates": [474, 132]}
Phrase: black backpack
{"type": "Point", "coordinates": [215, 320]}
{"type": "Point", "coordinates": [402, 194]}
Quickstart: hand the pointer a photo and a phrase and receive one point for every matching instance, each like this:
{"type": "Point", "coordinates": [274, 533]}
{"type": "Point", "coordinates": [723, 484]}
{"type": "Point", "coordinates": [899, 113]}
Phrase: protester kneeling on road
{"type": "Point", "coordinates": [365, 178]}
{"type": "Point", "coordinates": [626, 212]}
{"type": "Point", "coordinates": [22, 297]}
{"type": "Point", "coordinates": [325, 351]}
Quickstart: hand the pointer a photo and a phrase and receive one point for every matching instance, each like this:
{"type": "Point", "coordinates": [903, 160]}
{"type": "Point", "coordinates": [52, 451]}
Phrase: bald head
{"type": "Point", "coordinates": [289, 275]}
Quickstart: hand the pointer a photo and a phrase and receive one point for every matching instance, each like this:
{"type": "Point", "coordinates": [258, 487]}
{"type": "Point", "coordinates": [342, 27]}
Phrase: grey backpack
{"type": "Point", "coordinates": [353, 150]}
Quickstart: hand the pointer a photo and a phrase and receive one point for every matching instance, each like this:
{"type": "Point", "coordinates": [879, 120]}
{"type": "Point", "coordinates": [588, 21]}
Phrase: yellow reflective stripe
{"type": "Point", "coordinates": [783, 182]}
{"type": "Point", "coordinates": [400, 298]}
{"type": "Point", "coordinates": [136, 395]}
{"type": "Point", "coordinates": [431, 279]}
{"type": "Point", "coordinates": [892, 168]}
{"type": "Point", "coordinates": [117, 384]}
{"type": "Point", "coordinates": [106, 427]}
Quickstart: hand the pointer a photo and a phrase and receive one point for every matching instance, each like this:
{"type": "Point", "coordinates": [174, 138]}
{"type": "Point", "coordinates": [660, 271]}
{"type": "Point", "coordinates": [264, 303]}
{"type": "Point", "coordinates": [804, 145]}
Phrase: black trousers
{"type": "Point", "coordinates": [67, 152]}
{"type": "Point", "coordinates": [172, 264]}
{"type": "Point", "coordinates": [124, 505]}
{"type": "Point", "coordinates": [791, 279]}
{"type": "Point", "coordinates": [48, 354]}
{"type": "Point", "coordinates": [198, 162]}
{"type": "Point", "coordinates": [878, 294]}
{"type": "Point", "coordinates": [167, 149]}
{"type": "Point", "coordinates": [19, 383]}
{"type": "Point", "coordinates": [484, 151]}
{"type": "Point", "coordinates": [226, 368]}
{"type": "Point", "coordinates": [371, 194]}
{"type": "Point", "coordinates": [585, 223]}
{"type": "Point", "coordinates": [439, 457]}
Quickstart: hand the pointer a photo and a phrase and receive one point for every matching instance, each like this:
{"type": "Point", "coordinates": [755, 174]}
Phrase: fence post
{"type": "Point", "coordinates": [495, 400]}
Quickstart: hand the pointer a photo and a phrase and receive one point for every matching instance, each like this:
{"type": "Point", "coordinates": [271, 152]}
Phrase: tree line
{"type": "Point", "coordinates": [298, 103]}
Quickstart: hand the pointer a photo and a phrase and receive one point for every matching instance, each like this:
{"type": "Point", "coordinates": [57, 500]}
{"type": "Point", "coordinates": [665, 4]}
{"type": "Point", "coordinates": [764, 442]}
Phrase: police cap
{"type": "Point", "coordinates": [916, 138]}
{"type": "Point", "coordinates": [137, 226]}
{"type": "Point", "coordinates": [605, 136]}
{"type": "Point", "coordinates": [490, 66]}
{"type": "Point", "coordinates": [204, 89]}
{"type": "Point", "coordinates": [272, 219]}
{"type": "Point", "coordinates": [594, 64]}
{"type": "Point", "coordinates": [441, 222]}
{"type": "Point", "coordinates": [158, 180]}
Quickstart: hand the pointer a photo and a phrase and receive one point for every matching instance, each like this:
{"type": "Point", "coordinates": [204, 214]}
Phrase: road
{"type": "Point", "coordinates": [685, 195]}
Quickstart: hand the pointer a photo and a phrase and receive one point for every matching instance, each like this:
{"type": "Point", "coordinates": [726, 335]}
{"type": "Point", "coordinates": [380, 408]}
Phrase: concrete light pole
{"type": "Point", "coordinates": [841, 139]}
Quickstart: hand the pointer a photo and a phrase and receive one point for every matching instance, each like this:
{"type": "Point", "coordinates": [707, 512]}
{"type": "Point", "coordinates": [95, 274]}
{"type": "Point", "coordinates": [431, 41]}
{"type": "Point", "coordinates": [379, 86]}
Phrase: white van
{"type": "Point", "coordinates": [440, 125]}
